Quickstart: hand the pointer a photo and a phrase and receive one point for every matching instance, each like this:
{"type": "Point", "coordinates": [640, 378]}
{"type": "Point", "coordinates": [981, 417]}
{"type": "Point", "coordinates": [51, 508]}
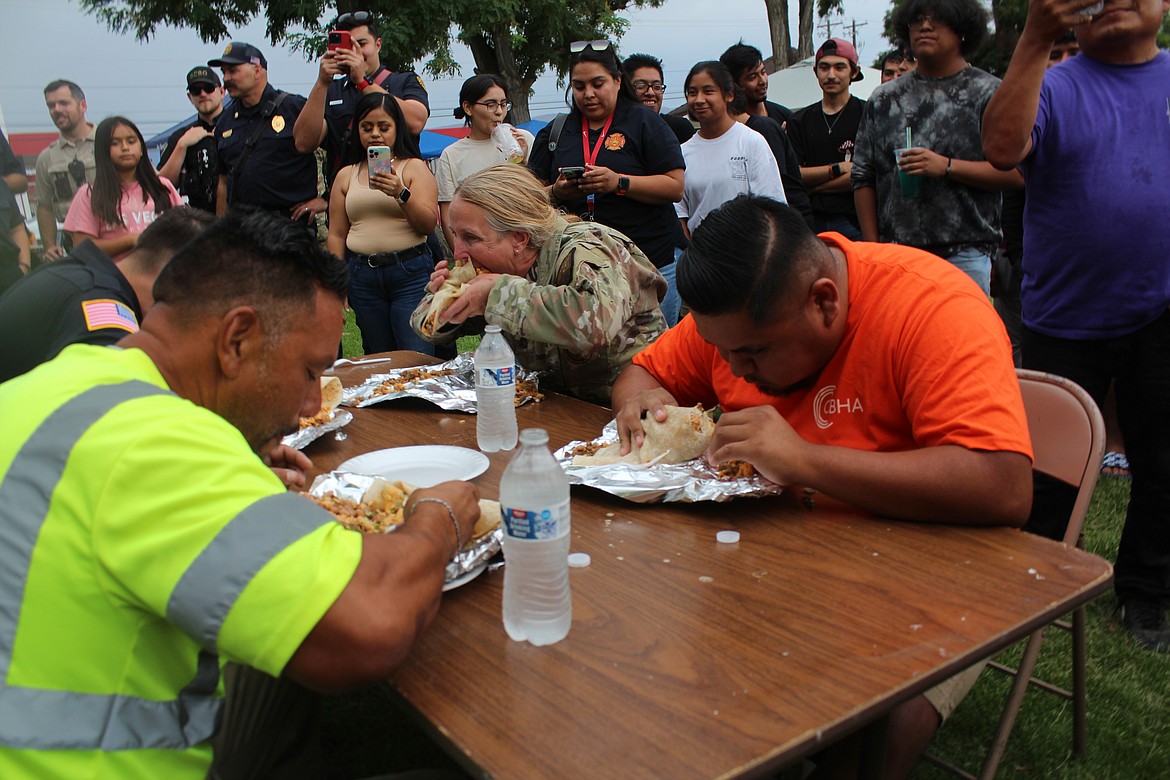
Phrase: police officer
{"type": "Point", "coordinates": [65, 165]}
{"type": "Point", "coordinates": [85, 298]}
{"type": "Point", "coordinates": [189, 159]}
{"type": "Point", "coordinates": [259, 162]}
{"type": "Point", "coordinates": [328, 113]}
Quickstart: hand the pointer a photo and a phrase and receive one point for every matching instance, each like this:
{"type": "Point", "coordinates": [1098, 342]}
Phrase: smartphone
{"type": "Point", "coordinates": [571, 172]}
{"type": "Point", "coordinates": [340, 39]}
{"type": "Point", "coordinates": [379, 160]}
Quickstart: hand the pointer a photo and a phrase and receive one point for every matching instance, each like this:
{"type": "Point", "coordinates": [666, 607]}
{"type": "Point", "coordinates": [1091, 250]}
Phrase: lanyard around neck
{"type": "Point", "coordinates": [591, 157]}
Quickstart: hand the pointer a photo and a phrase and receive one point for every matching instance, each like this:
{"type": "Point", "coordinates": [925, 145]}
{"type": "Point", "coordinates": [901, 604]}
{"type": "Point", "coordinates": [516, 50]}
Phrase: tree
{"type": "Point", "coordinates": [517, 39]}
{"type": "Point", "coordinates": [781, 37]}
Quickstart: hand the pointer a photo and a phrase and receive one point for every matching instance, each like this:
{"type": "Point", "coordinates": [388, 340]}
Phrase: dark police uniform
{"type": "Point", "coordinates": [200, 173]}
{"type": "Point", "coordinates": [81, 298]}
{"type": "Point", "coordinates": [341, 101]}
{"type": "Point", "coordinates": [275, 176]}
{"type": "Point", "coordinates": [639, 143]}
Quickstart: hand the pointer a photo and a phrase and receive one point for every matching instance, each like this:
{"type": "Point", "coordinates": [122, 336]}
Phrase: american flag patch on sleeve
{"type": "Point", "coordinates": [106, 313]}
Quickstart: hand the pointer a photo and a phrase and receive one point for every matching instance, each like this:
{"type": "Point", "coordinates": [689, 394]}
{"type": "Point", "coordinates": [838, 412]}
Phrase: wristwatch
{"type": "Point", "coordinates": [361, 85]}
{"type": "Point", "coordinates": [835, 169]}
{"type": "Point", "coordinates": [404, 195]}
{"type": "Point", "coordinates": [623, 185]}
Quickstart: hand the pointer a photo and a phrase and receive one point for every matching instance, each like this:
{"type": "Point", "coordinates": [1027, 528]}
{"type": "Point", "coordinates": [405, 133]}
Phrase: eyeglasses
{"type": "Point", "coordinates": [495, 105]}
{"type": "Point", "coordinates": [200, 89]}
{"type": "Point", "coordinates": [922, 19]}
{"type": "Point", "coordinates": [642, 86]}
{"type": "Point", "coordinates": [357, 17]}
{"type": "Point", "coordinates": [576, 47]}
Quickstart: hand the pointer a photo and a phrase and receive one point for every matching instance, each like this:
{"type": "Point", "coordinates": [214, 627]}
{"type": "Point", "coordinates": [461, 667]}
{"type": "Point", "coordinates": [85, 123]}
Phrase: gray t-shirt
{"type": "Point", "coordinates": [945, 115]}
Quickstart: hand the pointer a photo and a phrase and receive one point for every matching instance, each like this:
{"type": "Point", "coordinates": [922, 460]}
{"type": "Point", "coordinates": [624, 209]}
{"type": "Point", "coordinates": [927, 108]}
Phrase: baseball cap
{"type": "Point", "coordinates": [836, 47]}
{"type": "Point", "coordinates": [201, 74]}
{"type": "Point", "coordinates": [239, 53]}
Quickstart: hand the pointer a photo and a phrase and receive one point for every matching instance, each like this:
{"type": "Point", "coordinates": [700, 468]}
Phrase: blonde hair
{"type": "Point", "coordinates": [512, 199]}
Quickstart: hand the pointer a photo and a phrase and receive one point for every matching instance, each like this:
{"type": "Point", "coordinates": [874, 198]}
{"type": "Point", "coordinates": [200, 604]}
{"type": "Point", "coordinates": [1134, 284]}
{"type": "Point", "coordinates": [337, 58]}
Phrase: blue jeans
{"type": "Point", "coordinates": [1139, 366]}
{"type": "Point", "coordinates": [975, 264]}
{"type": "Point", "coordinates": [383, 299]}
{"type": "Point", "coordinates": [671, 304]}
{"type": "Point", "coordinates": [837, 223]}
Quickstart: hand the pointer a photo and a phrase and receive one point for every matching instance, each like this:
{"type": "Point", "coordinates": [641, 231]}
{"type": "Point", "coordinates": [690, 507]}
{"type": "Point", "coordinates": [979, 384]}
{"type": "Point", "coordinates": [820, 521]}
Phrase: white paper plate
{"type": "Point", "coordinates": [423, 466]}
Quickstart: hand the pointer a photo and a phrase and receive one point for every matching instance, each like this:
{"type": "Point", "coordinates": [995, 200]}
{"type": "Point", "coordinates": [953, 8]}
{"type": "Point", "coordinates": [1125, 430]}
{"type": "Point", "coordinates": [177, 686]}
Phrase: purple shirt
{"type": "Point", "coordinates": [1097, 221]}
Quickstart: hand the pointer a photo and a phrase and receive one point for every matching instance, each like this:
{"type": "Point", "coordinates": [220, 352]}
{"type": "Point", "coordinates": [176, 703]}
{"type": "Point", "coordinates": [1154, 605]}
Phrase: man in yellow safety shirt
{"type": "Point", "coordinates": [148, 538]}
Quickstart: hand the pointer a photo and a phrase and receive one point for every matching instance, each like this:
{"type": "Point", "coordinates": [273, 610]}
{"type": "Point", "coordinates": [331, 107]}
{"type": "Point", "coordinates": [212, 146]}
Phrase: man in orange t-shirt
{"type": "Point", "coordinates": [874, 373]}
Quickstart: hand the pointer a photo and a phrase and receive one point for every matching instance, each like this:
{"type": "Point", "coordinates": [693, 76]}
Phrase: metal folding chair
{"type": "Point", "coordinates": [1068, 443]}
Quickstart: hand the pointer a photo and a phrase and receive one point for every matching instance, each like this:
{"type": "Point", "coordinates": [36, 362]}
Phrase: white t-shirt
{"type": "Point", "coordinates": [738, 162]}
{"type": "Point", "coordinates": [465, 157]}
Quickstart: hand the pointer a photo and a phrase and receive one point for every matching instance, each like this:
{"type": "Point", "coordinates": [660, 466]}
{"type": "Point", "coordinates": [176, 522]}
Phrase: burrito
{"type": "Point", "coordinates": [331, 391]}
{"type": "Point", "coordinates": [452, 287]}
{"type": "Point", "coordinates": [683, 436]}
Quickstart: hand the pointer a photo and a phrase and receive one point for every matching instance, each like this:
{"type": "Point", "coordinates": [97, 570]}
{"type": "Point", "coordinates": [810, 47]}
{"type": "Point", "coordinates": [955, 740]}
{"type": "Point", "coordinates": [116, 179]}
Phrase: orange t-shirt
{"type": "Point", "coordinates": [924, 361]}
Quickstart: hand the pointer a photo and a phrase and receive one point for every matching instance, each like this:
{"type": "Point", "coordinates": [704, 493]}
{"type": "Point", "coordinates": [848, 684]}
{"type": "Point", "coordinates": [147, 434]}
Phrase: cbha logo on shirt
{"type": "Point", "coordinates": [827, 405]}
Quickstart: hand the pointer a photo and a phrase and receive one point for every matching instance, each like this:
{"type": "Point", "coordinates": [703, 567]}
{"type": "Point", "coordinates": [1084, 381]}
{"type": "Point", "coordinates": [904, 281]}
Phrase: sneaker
{"type": "Point", "coordinates": [1146, 623]}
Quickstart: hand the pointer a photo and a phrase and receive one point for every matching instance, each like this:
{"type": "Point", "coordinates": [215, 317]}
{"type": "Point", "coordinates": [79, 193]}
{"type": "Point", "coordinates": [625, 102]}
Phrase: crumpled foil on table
{"type": "Point", "coordinates": [453, 392]}
{"type": "Point", "coordinates": [353, 486]}
{"type": "Point", "coordinates": [306, 436]}
{"type": "Point", "coordinates": [690, 481]}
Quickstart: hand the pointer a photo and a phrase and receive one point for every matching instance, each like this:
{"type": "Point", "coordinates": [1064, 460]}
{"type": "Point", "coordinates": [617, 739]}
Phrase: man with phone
{"type": "Point", "coordinates": [328, 113]}
{"type": "Point", "coordinates": [66, 165]}
{"type": "Point", "coordinates": [260, 165]}
{"type": "Point", "coordinates": [189, 159]}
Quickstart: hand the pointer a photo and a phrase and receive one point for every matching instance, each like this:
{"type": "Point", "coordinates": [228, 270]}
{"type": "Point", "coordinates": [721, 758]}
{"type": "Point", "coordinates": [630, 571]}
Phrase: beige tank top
{"type": "Point", "coordinates": [376, 221]}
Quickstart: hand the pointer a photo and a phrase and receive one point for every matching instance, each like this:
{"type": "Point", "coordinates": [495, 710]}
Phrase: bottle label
{"type": "Point", "coordinates": [537, 525]}
{"type": "Point", "coordinates": [496, 377]}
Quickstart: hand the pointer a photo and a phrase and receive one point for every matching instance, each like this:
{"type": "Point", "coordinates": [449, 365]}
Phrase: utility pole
{"type": "Point", "coordinates": [853, 25]}
{"type": "Point", "coordinates": [828, 22]}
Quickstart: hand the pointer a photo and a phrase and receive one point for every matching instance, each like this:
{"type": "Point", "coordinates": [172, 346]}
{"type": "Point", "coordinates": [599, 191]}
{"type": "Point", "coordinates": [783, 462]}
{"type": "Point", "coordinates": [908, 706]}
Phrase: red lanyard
{"type": "Point", "coordinates": [591, 157]}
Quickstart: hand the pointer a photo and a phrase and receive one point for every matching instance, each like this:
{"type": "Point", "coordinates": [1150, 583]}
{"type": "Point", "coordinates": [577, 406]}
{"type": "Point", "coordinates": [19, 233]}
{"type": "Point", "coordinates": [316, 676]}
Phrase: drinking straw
{"type": "Point", "coordinates": [908, 144]}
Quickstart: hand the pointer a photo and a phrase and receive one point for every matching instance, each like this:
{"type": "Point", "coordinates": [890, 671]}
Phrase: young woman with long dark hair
{"type": "Point", "coordinates": [379, 224]}
{"type": "Point", "coordinates": [126, 193]}
{"type": "Point", "coordinates": [632, 161]}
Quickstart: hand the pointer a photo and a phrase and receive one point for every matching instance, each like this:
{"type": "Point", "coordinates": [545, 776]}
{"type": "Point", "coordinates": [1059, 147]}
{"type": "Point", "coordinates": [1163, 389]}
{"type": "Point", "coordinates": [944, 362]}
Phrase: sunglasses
{"type": "Point", "coordinates": [576, 47]}
{"type": "Point", "coordinates": [357, 17]}
{"type": "Point", "coordinates": [200, 89]}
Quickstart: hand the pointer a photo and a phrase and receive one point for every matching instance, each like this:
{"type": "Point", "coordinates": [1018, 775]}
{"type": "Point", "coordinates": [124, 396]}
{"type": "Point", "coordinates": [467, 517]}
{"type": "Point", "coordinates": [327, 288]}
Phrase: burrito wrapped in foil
{"type": "Point", "coordinates": [449, 386]}
{"type": "Point", "coordinates": [692, 480]}
{"type": "Point", "coordinates": [353, 486]}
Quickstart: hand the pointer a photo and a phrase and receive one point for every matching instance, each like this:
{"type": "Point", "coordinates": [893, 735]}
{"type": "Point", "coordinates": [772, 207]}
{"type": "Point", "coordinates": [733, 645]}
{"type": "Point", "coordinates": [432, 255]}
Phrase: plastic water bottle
{"type": "Point", "coordinates": [534, 500]}
{"type": "Point", "coordinates": [495, 392]}
{"type": "Point", "coordinates": [507, 143]}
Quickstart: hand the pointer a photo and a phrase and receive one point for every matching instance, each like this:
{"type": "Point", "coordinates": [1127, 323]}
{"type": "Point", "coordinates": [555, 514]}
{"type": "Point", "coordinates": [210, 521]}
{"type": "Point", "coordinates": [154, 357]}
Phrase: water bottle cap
{"type": "Point", "coordinates": [534, 436]}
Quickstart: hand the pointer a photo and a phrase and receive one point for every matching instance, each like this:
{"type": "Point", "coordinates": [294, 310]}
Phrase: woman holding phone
{"type": "Point", "coordinates": [383, 206]}
{"type": "Point", "coordinates": [126, 193]}
{"type": "Point", "coordinates": [633, 165]}
{"type": "Point", "coordinates": [483, 105]}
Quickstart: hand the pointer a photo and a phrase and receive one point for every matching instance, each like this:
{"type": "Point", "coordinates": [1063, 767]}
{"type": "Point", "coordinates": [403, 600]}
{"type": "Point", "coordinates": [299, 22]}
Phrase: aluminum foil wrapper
{"type": "Point", "coordinates": [305, 436]}
{"type": "Point", "coordinates": [692, 480]}
{"type": "Point", "coordinates": [453, 392]}
{"type": "Point", "coordinates": [354, 486]}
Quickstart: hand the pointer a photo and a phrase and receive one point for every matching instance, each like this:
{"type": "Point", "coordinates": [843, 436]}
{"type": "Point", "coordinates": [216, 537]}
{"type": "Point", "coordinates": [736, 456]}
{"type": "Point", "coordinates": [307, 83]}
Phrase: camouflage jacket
{"type": "Point", "coordinates": [586, 307]}
{"type": "Point", "coordinates": [945, 116]}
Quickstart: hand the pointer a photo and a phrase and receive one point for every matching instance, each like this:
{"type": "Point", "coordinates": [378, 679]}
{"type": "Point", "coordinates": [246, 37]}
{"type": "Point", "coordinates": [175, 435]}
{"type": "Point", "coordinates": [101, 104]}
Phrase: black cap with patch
{"type": "Point", "coordinates": [238, 53]}
{"type": "Point", "coordinates": [201, 74]}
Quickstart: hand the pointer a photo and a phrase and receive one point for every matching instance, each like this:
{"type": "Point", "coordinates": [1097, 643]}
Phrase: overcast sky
{"type": "Point", "coordinates": [48, 39]}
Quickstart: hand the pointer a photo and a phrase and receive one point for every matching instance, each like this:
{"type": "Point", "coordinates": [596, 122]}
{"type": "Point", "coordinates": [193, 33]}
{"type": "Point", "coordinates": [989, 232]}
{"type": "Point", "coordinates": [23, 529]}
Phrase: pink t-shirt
{"type": "Point", "coordinates": [136, 214]}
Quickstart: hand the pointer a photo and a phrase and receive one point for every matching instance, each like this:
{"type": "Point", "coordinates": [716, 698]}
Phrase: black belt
{"type": "Point", "coordinates": [390, 258]}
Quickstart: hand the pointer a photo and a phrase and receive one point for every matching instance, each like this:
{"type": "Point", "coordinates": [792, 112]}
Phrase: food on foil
{"type": "Point", "coordinates": [331, 391]}
{"type": "Point", "coordinates": [736, 469]}
{"type": "Point", "coordinates": [383, 506]}
{"type": "Point", "coordinates": [449, 385]}
{"type": "Point", "coordinates": [405, 379]}
{"type": "Point", "coordinates": [452, 287]}
{"type": "Point", "coordinates": [682, 436]}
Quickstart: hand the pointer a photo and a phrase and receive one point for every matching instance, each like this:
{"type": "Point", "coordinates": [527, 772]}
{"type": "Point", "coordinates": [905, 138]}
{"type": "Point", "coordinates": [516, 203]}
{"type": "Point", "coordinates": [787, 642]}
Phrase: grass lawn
{"type": "Point", "coordinates": [1129, 696]}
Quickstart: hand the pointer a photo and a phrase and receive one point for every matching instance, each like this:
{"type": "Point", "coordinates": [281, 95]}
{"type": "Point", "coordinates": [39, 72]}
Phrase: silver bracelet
{"type": "Point", "coordinates": [450, 511]}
